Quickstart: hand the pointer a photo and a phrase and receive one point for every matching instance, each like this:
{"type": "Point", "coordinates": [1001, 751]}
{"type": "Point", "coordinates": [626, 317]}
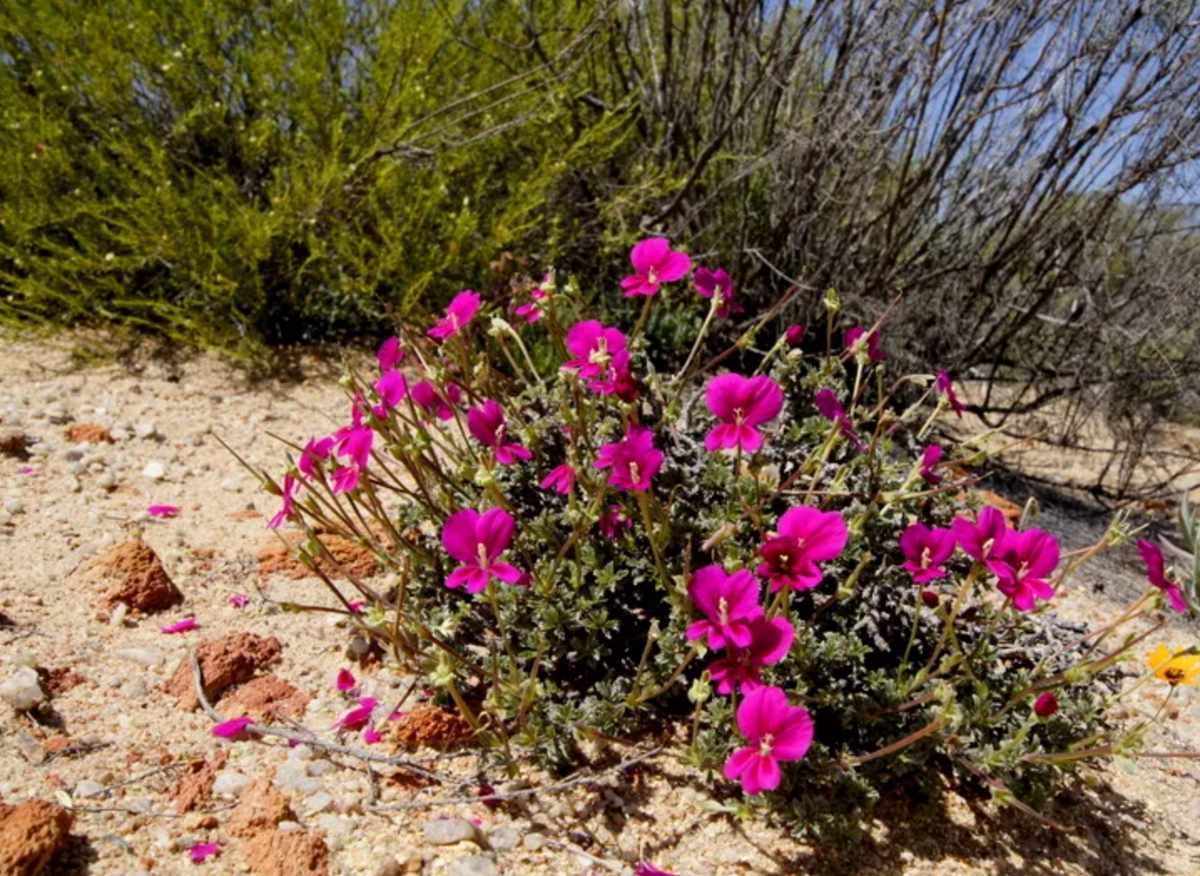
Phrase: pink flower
{"type": "Point", "coordinates": [926, 549]}
{"type": "Point", "coordinates": [794, 336]}
{"type": "Point", "coordinates": [852, 342]}
{"type": "Point", "coordinates": [806, 537]}
{"type": "Point", "coordinates": [345, 680]}
{"type": "Point", "coordinates": [1025, 559]}
{"type": "Point", "coordinates": [593, 347]}
{"type": "Point", "coordinates": [460, 312]}
{"type": "Point", "coordinates": [655, 263]}
{"type": "Point", "coordinates": [488, 425]}
{"type": "Point", "coordinates": [619, 380]}
{"type": "Point", "coordinates": [314, 453]}
{"type": "Point", "coordinates": [163, 511]}
{"type": "Point", "coordinates": [741, 404]}
{"type": "Point", "coordinates": [184, 626]}
{"type": "Point", "coordinates": [634, 460]}
{"type": "Point", "coordinates": [613, 521]}
{"type": "Point", "coordinates": [358, 607]}
{"type": "Point", "coordinates": [231, 729]}
{"type": "Point", "coordinates": [358, 716]}
{"type": "Point", "coordinates": [831, 409]}
{"type": "Point", "coordinates": [645, 868]}
{"type": "Point", "coordinates": [710, 283]}
{"type": "Point", "coordinates": [945, 386]}
{"type": "Point", "coordinates": [27, 470]}
{"type": "Point", "coordinates": [425, 395]}
{"type": "Point", "coordinates": [728, 602]}
{"type": "Point", "coordinates": [239, 600]}
{"type": "Point", "coordinates": [561, 479]}
{"type": "Point", "coordinates": [392, 388]}
{"type": "Point", "coordinates": [390, 355]}
{"type": "Point", "coordinates": [1156, 573]}
{"type": "Point", "coordinates": [983, 539]}
{"type": "Point", "coordinates": [353, 442]}
{"type": "Point", "coordinates": [776, 732]}
{"type": "Point", "coordinates": [201, 852]}
{"type": "Point", "coordinates": [929, 461]}
{"type": "Point", "coordinates": [1046, 705]}
{"type": "Point", "coordinates": [476, 540]}
{"type": "Point", "coordinates": [371, 736]}
{"type": "Point", "coordinates": [739, 669]}
{"type": "Point", "coordinates": [288, 511]}
{"type": "Point", "coordinates": [530, 312]}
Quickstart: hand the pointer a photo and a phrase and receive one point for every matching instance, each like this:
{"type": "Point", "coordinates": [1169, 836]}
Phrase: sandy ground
{"type": "Point", "coordinates": [67, 504]}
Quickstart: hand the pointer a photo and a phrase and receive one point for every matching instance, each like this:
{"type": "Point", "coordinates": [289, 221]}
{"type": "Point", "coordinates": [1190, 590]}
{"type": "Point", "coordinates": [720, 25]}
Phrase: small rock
{"type": "Point", "coordinates": [119, 434]}
{"type": "Point", "coordinates": [12, 441]}
{"type": "Point", "coordinates": [145, 431]}
{"type": "Point", "coordinates": [155, 471]}
{"type": "Point", "coordinates": [31, 835]}
{"type": "Point", "coordinates": [22, 690]}
{"type": "Point", "coordinates": [533, 842]}
{"type": "Point", "coordinates": [230, 784]}
{"type": "Point", "coordinates": [118, 614]}
{"type": "Point", "coordinates": [89, 789]}
{"type": "Point", "coordinates": [143, 656]}
{"type": "Point", "coordinates": [504, 838]}
{"type": "Point", "coordinates": [473, 865]}
{"type": "Point", "coordinates": [231, 485]}
{"type": "Point", "coordinates": [319, 802]}
{"type": "Point", "coordinates": [322, 767]}
{"type": "Point", "coordinates": [106, 480]}
{"type": "Point", "coordinates": [448, 831]}
{"type": "Point", "coordinates": [135, 688]}
{"type": "Point", "coordinates": [14, 505]}
{"type": "Point", "coordinates": [335, 826]}
{"type": "Point", "coordinates": [30, 748]}
{"type": "Point", "coordinates": [389, 867]}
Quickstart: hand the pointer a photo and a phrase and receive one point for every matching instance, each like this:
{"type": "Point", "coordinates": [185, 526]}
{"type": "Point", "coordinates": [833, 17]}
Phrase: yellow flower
{"type": "Point", "coordinates": [1182, 668]}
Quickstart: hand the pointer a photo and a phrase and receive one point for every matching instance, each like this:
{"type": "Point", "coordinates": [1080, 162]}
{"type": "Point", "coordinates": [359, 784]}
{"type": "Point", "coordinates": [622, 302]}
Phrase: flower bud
{"type": "Point", "coordinates": [1046, 705]}
{"type": "Point", "coordinates": [794, 335]}
{"type": "Point", "coordinates": [832, 302]}
{"type": "Point", "coordinates": [930, 598]}
{"type": "Point", "coordinates": [701, 689]}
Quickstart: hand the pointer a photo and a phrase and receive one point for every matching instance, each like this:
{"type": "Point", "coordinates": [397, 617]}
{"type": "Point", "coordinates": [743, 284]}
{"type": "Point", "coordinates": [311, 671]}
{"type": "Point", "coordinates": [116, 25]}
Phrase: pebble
{"type": "Point", "coordinates": [136, 688]}
{"type": "Point", "coordinates": [143, 656]}
{"type": "Point", "coordinates": [230, 784]}
{"type": "Point", "coordinates": [118, 613]}
{"type": "Point", "coordinates": [322, 767]}
{"type": "Point", "coordinates": [292, 775]}
{"type": "Point", "coordinates": [155, 471]}
{"type": "Point", "coordinates": [504, 838]}
{"type": "Point", "coordinates": [106, 480]}
{"type": "Point", "coordinates": [286, 826]}
{"type": "Point", "coordinates": [145, 430]}
{"type": "Point", "coordinates": [318, 802]}
{"type": "Point", "coordinates": [119, 434]}
{"type": "Point", "coordinates": [22, 690]}
{"type": "Point", "coordinates": [533, 842]}
{"type": "Point", "coordinates": [89, 788]}
{"type": "Point", "coordinates": [14, 505]}
{"type": "Point", "coordinates": [335, 826]}
{"type": "Point", "coordinates": [231, 485]}
{"type": "Point", "coordinates": [30, 748]}
{"type": "Point", "coordinates": [448, 831]}
{"type": "Point", "coordinates": [473, 865]}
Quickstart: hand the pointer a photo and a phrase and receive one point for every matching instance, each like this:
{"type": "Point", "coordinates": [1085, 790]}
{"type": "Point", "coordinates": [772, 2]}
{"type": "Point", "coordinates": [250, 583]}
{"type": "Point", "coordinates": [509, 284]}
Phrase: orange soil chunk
{"type": "Point", "coordinates": [193, 789]}
{"type": "Point", "coordinates": [141, 582]}
{"type": "Point", "coordinates": [260, 807]}
{"type": "Point", "coordinates": [287, 853]}
{"type": "Point", "coordinates": [264, 696]}
{"type": "Point", "coordinates": [1011, 510]}
{"type": "Point", "coordinates": [432, 727]}
{"type": "Point", "coordinates": [30, 836]}
{"type": "Point", "coordinates": [63, 679]}
{"type": "Point", "coordinates": [224, 662]}
{"type": "Point", "coordinates": [88, 433]}
{"type": "Point", "coordinates": [352, 560]}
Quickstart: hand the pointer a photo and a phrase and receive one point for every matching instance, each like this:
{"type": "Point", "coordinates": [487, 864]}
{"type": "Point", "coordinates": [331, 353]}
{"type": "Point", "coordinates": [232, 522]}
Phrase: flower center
{"type": "Point", "coordinates": [739, 416]}
{"type": "Point", "coordinates": [764, 745]}
{"type": "Point", "coordinates": [599, 354]}
{"type": "Point", "coordinates": [634, 474]}
{"type": "Point", "coordinates": [723, 611]}
{"type": "Point", "coordinates": [925, 558]}
{"type": "Point", "coordinates": [652, 277]}
{"type": "Point", "coordinates": [1174, 674]}
{"type": "Point", "coordinates": [452, 320]}
{"type": "Point", "coordinates": [482, 550]}
{"type": "Point", "coordinates": [987, 547]}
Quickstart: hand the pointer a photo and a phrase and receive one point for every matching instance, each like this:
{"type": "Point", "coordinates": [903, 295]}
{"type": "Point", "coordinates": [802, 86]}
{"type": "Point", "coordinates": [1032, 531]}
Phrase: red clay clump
{"type": "Point", "coordinates": [63, 679]}
{"type": "Point", "coordinates": [260, 807]}
{"type": "Point", "coordinates": [31, 835]}
{"type": "Point", "coordinates": [352, 559]}
{"type": "Point", "coordinates": [265, 696]}
{"type": "Point", "coordinates": [193, 788]}
{"type": "Point", "coordinates": [141, 582]}
{"type": "Point", "coordinates": [432, 727]}
{"type": "Point", "coordinates": [224, 662]}
{"type": "Point", "coordinates": [287, 853]}
{"type": "Point", "coordinates": [88, 433]}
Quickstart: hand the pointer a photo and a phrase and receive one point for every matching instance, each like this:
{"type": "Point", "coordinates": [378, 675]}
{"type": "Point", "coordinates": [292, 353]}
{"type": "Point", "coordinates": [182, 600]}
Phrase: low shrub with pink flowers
{"type": "Point", "coordinates": [762, 548]}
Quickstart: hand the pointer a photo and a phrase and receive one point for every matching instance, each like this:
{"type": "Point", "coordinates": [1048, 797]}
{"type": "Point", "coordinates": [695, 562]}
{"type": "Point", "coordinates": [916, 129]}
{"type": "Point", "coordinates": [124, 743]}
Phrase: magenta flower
{"type": "Point", "coordinates": [831, 409]}
{"type": "Point", "coordinates": [201, 852]}
{"type": "Point", "coordinates": [163, 510]}
{"type": "Point", "coordinates": [358, 716]}
{"type": "Point", "coordinates": [371, 736]}
{"type": "Point", "coordinates": [806, 537]}
{"type": "Point", "coordinates": [983, 539]}
{"type": "Point", "coordinates": [794, 336]}
{"type": "Point", "coordinates": [390, 355]}
{"type": "Point", "coordinates": [613, 521]}
{"type": "Point", "coordinates": [358, 607]}
{"type": "Point", "coordinates": [740, 668]}
{"type": "Point", "coordinates": [27, 470]}
{"type": "Point", "coordinates": [561, 479]}
{"type": "Point", "coordinates": [345, 680]}
{"type": "Point", "coordinates": [929, 461]}
{"type": "Point", "coordinates": [619, 381]}
{"type": "Point", "coordinates": [741, 404]}
{"type": "Point", "coordinates": [529, 312]}
{"type": "Point", "coordinates": [315, 452]}
{"type": "Point", "coordinates": [476, 540]}
{"type": "Point", "coordinates": [231, 729]}
{"type": "Point", "coordinates": [776, 732]}
{"type": "Point", "coordinates": [655, 263]}
{"type": "Point", "coordinates": [945, 386]}
{"type": "Point", "coordinates": [1026, 558]}
{"type": "Point", "coordinates": [392, 388]}
{"type": "Point", "coordinates": [426, 396]}
{"type": "Point", "coordinates": [728, 602]}
{"type": "Point", "coordinates": [459, 312]}
{"type": "Point", "coordinates": [853, 342]}
{"type": "Point", "coordinates": [488, 425]}
{"type": "Point", "coordinates": [354, 442]}
{"type": "Point", "coordinates": [1156, 572]}
{"type": "Point", "coordinates": [645, 868]}
{"type": "Point", "coordinates": [288, 511]}
{"type": "Point", "coordinates": [593, 347]}
{"type": "Point", "coordinates": [926, 549]}
{"type": "Point", "coordinates": [717, 283]}
{"type": "Point", "coordinates": [633, 460]}
{"type": "Point", "coordinates": [184, 626]}
{"type": "Point", "coordinates": [1046, 705]}
{"type": "Point", "coordinates": [239, 600]}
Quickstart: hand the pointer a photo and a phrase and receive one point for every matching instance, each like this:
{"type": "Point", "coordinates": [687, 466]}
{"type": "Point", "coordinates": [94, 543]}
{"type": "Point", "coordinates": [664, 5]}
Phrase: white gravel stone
{"type": "Point", "coordinates": [230, 784]}
{"type": "Point", "coordinates": [22, 690]}
{"type": "Point", "coordinates": [145, 430]}
{"type": "Point", "coordinates": [89, 789]}
{"type": "Point", "coordinates": [155, 471]}
{"type": "Point", "coordinates": [448, 831]}
{"type": "Point", "coordinates": [143, 656]}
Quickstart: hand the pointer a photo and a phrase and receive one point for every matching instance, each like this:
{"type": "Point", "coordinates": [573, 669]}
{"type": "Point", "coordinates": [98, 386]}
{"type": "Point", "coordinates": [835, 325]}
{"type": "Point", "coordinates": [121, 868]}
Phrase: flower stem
{"type": "Point", "coordinates": [648, 522]}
